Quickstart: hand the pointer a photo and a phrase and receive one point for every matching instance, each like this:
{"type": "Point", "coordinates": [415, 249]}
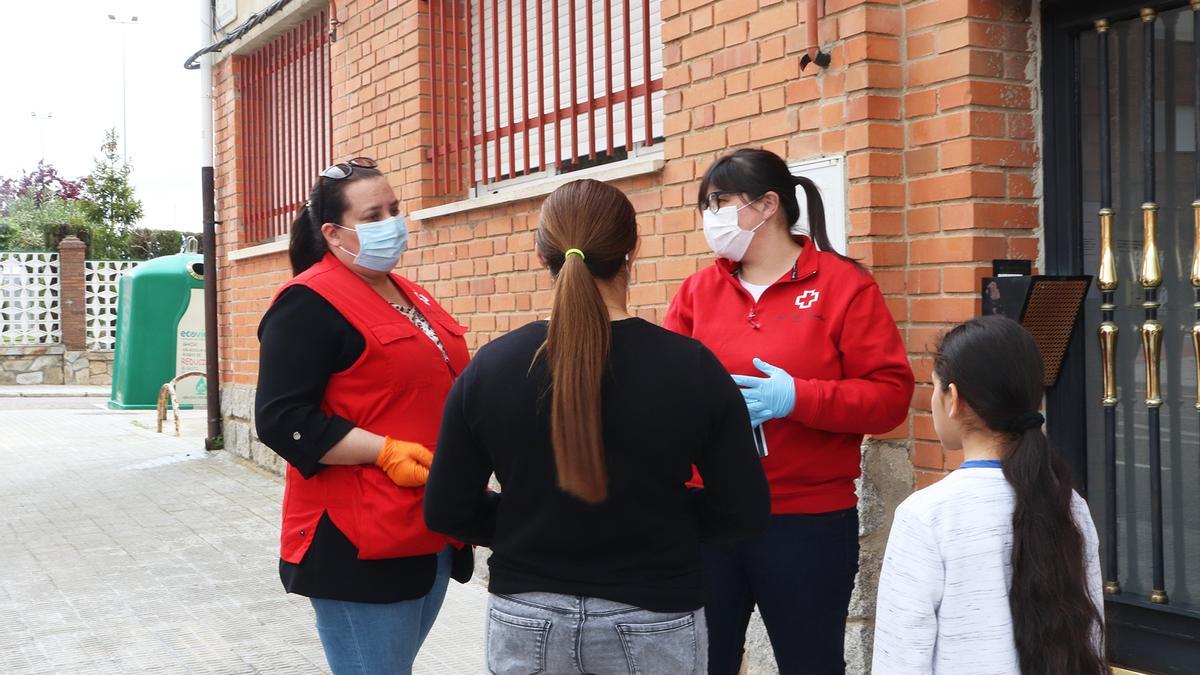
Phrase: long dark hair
{"type": "Point", "coordinates": [755, 172]}
{"type": "Point", "coordinates": [996, 366]}
{"type": "Point", "coordinates": [326, 204]}
{"type": "Point", "coordinates": [599, 221]}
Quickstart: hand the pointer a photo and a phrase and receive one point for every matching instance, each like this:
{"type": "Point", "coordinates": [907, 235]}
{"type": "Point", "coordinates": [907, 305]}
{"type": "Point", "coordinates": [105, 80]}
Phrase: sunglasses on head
{"type": "Point", "coordinates": [343, 169]}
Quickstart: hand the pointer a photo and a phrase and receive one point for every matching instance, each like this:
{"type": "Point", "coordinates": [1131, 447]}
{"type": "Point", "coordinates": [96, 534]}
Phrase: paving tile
{"type": "Point", "coordinates": [126, 551]}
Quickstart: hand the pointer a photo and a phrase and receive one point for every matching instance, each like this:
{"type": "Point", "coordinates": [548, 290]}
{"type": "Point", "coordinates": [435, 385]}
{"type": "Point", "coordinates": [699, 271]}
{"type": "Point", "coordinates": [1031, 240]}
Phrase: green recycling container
{"type": "Point", "coordinates": [160, 332]}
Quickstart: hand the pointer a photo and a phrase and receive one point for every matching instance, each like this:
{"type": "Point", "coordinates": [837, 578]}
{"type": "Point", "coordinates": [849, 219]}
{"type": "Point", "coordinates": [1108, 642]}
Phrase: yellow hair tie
{"type": "Point", "coordinates": [575, 251]}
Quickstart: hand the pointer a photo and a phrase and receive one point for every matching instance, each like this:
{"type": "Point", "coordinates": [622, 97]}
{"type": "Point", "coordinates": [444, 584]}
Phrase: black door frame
{"type": "Point", "coordinates": [1141, 635]}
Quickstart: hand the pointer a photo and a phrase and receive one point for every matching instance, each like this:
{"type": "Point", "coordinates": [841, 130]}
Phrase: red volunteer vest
{"type": "Point", "coordinates": [396, 388]}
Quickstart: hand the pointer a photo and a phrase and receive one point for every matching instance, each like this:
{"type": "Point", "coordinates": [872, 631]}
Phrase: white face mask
{"type": "Point", "coordinates": [723, 234]}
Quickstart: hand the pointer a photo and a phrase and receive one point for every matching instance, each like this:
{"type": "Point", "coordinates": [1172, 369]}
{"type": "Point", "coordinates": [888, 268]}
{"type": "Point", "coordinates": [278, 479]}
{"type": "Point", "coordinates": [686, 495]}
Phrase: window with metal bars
{"type": "Point", "coordinates": [285, 126]}
{"type": "Point", "coordinates": [540, 86]}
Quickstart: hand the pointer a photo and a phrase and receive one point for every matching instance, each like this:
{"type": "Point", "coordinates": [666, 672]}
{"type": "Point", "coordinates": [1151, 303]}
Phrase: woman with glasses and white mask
{"type": "Point", "coordinates": [820, 363]}
{"type": "Point", "coordinates": [355, 365]}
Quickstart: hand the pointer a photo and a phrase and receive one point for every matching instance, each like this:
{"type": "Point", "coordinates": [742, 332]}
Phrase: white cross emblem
{"type": "Point", "coordinates": [807, 299]}
{"type": "Point", "coordinates": [422, 298]}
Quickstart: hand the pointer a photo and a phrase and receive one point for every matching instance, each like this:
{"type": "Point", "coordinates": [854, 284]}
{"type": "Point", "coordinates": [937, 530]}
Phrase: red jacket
{"type": "Point", "coordinates": [826, 324]}
{"type": "Point", "coordinates": [396, 388]}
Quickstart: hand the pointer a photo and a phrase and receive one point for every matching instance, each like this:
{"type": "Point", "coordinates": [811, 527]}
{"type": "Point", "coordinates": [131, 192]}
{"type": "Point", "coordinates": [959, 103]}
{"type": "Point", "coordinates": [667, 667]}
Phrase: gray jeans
{"type": "Point", "coordinates": [534, 633]}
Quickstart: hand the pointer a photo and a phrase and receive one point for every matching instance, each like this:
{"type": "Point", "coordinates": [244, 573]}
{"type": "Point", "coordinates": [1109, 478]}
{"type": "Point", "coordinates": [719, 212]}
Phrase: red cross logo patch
{"type": "Point", "coordinates": [807, 299]}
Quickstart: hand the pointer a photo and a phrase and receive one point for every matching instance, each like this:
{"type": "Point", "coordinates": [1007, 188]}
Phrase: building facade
{"type": "Point", "coordinates": [944, 134]}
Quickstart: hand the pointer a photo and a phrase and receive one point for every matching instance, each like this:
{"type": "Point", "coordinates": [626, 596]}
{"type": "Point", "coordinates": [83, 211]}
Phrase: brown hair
{"type": "Point", "coordinates": [598, 220]}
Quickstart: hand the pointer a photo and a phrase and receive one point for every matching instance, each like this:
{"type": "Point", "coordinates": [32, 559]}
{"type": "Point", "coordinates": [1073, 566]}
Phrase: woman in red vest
{"type": "Point", "coordinates": [820, 363]}
{"type": "Point", "coordinates": [355, 366]}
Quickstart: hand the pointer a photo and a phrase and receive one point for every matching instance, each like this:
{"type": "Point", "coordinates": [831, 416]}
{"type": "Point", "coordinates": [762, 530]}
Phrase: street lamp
{"type": "Point", "coordinates": [124, 126]}
{"type": "Point", "coordinates": [44, 118]}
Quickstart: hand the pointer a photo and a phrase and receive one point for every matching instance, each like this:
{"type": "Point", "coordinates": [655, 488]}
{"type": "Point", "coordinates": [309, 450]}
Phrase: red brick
{"type": "Point", "coordinates": [920, 45]}
{"type": "Point", "coordinates": [948, 126]}
{"type": "Point", "coordinates": [705, 92]}
{"type": "Point", "coordinates": [970, 151]}
{"type": "Point", "coordinates": [872, 48]}
{"type": "Point", "coordinates": [879, 253]}
{"type": "Point", "coordinates": [772, 99]}
{"type": "Point", "coordinates": [735, 57]}
{"type": "Point", "coordinates": [728, 10]}
{"type": "Point", "coordinates": [923, 160]}
{"type": "Point", "coordinates": [920, 104]}
{"type": "Point", "coordinates": [875, 194]}
{"type": "Point", "coordinates": [989, 215]}
{"type": "Point", "coordinates": [948, 249]}
{"type": "Point", "coordinates": [962, 63]}
{"type": "Point", "coordinates": [943, 11]}
{"type": "Point", "coordinates": [774, 125]}
{"type": "Point", "coordinates": [923, 220]}
{"type": "Point", "coordinates": [882, 20]}
{"type": "Point", "coordinates": [977, 92]}
{"type": "Point", "coordinates": [966, 279]}
{"type": "Point", "coordinates": [973, 34]}
{"type": "Point", "coordinates": [873, 75]}
{"type": "Point", "coordinates": [803, 90]}
{"type": "Point", "coordinates": [873, 107]}
{"type": "Point", "coordinates": [874, 222]}
{"type": "Point", "coordinates": [1020, 187]}
{"type": "Point", "coordinates": [957, 186]}
{"type": "Point", "coordinates": [783, 70]}
{"type": "Point", "coordinates": [924, 281]}
{"type": "Point", "coordinates": [874, 164]}
{"type": "Point", "coordinates": [943, 310]}
{"type": "Point", "coordinates": [928, 456]}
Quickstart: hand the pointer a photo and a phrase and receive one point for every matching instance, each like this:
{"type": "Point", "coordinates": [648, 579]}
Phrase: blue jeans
{"type": "Point", "coordinates": [800, 574]}
{"type": "Point", "coordinates": [363, 638]}
{"type": "Point", "coordinates": [532, 633]}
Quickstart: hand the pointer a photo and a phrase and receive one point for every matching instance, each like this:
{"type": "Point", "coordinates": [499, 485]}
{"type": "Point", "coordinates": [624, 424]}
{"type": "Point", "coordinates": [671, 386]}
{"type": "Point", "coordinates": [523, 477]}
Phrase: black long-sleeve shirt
{"type": "Point", "coordinates": [667, 404]}
{"type": "Point", "coordinates": [304, 341]}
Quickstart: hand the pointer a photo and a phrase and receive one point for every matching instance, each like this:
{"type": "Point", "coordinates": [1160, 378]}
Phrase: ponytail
{"type": "Point", "coordinates": [815, 208]}
{"type": "Point", "coordinates": [577, 343]}
{"type": "Point", "coordinates": [306, 244]}
{"type": "Point", "coordinates": [597, 225]}
{"type": "Point", "coordinates": [1055, 621]}
{"type": "Point", "coordinates": [1052, 613]}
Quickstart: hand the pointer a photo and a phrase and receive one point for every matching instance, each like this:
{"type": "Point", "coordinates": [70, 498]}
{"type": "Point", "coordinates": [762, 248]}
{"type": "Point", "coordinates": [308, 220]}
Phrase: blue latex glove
{"type": "Point", "coordinates": [769, 397]}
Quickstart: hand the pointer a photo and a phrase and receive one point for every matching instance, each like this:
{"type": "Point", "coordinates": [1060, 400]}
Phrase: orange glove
{"type": "Point", "coordinates": [407, 464]}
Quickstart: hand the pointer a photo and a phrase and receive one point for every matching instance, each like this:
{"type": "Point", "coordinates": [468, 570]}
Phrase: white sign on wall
{"type": "Point", "coordinates": [224, 13]}
{"type": "Point", "coordinates": [829, 173]}
{"type": "Point", "coordinates": [190, 353]}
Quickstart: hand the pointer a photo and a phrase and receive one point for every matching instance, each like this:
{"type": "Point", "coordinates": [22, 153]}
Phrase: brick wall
{"type": "Point", "coordinates": [933, 103]}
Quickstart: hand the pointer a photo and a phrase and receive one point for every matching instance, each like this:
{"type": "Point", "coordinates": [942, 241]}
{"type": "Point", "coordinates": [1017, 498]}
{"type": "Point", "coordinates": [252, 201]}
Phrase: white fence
{"type": "Point", "coordinates": [31, 299]}
{"type": "Point", "coordinates": [30, 311]}
{"type": "Point", "coordinates": [101, 279]}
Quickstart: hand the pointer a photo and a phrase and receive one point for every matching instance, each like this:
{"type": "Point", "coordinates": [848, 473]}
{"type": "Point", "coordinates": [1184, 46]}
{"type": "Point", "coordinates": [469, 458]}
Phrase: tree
{"type": "Point", "coordinates": [42, 185]}
{"type": "Point", "coordinates": [109, 193]}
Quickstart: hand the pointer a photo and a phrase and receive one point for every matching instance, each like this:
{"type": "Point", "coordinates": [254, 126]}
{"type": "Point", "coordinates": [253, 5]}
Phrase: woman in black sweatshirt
{"type": "Point", "coordinates": [592, 423]}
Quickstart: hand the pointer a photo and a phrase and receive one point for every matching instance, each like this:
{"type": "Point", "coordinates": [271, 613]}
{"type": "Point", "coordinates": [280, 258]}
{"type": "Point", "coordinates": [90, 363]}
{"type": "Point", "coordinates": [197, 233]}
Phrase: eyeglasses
{"type": "Point", "coordinates": [344, 169]}
{"type": "Point", "coordinates": [713, 201]}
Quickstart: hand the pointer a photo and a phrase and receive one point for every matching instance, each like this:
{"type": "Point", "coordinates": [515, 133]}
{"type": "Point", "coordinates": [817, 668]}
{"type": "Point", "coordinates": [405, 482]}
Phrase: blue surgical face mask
{"type": "Point", "coordinates": [380, 244]}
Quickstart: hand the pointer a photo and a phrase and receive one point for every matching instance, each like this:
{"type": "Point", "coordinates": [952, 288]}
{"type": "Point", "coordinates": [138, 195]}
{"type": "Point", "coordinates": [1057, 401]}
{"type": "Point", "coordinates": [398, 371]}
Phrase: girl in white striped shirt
{"type": "Point", "coordinates": [995, 569]}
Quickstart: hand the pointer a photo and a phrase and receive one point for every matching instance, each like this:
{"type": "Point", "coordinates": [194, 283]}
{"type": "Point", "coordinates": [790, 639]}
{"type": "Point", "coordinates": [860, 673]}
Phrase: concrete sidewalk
{"type": "Point", "coordinates": [54, 391]}
{"type": "Point", "coordinates": [124, 550]}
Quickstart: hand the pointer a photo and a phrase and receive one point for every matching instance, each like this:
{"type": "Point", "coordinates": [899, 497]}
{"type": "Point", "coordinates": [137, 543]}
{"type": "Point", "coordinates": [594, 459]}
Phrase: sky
{"type": "Point", "coordinates": [64, 57]}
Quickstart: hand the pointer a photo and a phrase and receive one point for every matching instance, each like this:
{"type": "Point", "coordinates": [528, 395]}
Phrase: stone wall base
{"type": "Point", "coordinates": [237, 413]}
{"type": "Point", "coordinates": [54, 364]}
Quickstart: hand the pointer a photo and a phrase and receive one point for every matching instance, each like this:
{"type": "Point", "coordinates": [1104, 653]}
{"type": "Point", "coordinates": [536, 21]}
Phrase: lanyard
{"type": "Point", "coordinates": [980, 464]}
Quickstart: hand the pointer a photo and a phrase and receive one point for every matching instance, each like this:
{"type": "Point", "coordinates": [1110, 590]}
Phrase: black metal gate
{"type": "Point", "coordinates": [1121, 85]}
